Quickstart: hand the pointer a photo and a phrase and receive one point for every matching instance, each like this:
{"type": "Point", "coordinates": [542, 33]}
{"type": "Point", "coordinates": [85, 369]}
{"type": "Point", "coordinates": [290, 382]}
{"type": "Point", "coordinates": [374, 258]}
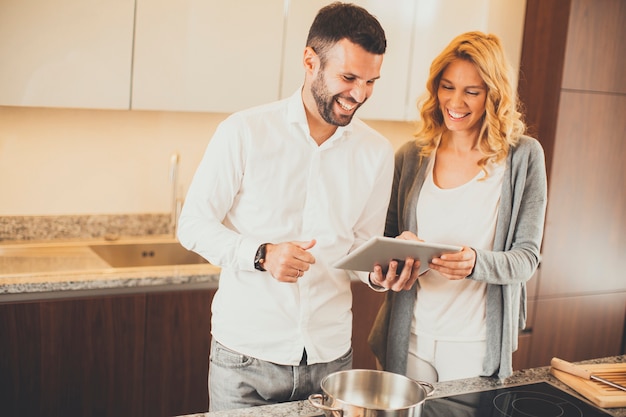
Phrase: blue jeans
{"type": "Point", "coordinates": [240, 381]}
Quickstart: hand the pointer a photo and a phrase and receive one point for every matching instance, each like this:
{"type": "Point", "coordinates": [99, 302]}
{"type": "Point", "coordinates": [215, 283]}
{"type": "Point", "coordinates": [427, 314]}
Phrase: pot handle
{"type": "Point", "coordinates": [429, 387]}
{"type": "Point", "coordinates": [317, 401]}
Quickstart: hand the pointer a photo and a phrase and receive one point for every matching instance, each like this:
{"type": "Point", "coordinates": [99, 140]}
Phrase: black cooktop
{"type": "Point", "coordinates": [541, 399]}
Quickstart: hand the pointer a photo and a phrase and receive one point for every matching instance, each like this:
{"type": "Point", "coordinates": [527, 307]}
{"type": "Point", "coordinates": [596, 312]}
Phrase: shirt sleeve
{"type": "Point", "coordinates": [517, 247]}
{"type": "Point", "coordinates": [209, 198]}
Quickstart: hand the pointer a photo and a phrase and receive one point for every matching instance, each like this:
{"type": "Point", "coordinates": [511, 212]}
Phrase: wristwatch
{"type": "Point", "coordinates": [259, 258]}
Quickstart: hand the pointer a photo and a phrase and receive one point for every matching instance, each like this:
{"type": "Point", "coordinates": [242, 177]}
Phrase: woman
{"type": "Point", "coordinates": [472, 179]}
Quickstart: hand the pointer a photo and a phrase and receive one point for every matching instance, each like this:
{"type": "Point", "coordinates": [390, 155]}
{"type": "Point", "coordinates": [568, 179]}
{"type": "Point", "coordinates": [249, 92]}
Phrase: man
{"type": "Point", "coordinates": [283, 191]}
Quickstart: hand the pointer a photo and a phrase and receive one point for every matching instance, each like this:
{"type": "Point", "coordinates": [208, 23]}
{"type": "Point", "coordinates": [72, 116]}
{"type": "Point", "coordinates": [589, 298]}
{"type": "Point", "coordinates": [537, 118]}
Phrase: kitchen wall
{"type": "Point", "coordinates": [69, 161]}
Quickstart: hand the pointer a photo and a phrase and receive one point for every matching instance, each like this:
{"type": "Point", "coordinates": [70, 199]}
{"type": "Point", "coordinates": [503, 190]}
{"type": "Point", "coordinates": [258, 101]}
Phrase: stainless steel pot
{"type": "Point", "coordinates": [368, 393]}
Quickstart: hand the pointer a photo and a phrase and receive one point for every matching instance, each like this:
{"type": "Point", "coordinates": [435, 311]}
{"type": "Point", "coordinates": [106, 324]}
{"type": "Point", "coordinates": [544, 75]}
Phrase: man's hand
{"type": "Point", "coordinates": [399, 275]}
{"type": "Point", "coordinates": [288, 261]}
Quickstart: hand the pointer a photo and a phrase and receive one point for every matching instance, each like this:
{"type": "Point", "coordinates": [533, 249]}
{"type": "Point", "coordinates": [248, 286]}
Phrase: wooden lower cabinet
{"type": "Point", "coordinates": [78, 357]}
{"type": "Point", "coordinates": [178, 328]}
{"type": "Point", "coordinates": [573, 328]}
{"type": "Point", "coordinates": [365, 305]}
{"type": "Point", "coordinates": [123, 355]}
{"type": "Point", "coordinates": [521, 357]}
{"type": "Point", "coordinates": [578, 328]}
{"type": "Point", "coordinates": [133, 355]}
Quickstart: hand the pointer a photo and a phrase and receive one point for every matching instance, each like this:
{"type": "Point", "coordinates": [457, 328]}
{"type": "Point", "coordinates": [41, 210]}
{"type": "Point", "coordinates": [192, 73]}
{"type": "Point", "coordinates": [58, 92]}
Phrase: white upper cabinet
{"type": "Point", "coordinates": [216, 55]}
{"type": "Point", "coordinates": [66, 53]}
{"type": "Point", "coordinates": [207, 55]}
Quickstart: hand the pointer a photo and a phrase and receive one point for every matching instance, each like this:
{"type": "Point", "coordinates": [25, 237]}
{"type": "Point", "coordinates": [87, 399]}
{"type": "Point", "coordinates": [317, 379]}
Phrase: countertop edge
{"type": "Point", "coordinates": [104, 282]}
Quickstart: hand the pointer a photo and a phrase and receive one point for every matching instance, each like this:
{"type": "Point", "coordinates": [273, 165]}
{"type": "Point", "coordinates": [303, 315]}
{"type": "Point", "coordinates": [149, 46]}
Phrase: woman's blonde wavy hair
{"type": "Point", "coordinates": [502, 123]}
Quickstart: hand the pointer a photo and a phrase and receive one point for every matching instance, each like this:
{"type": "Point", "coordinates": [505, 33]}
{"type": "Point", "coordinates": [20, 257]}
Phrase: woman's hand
{"type": "Point", "coordinates": [458, 265]}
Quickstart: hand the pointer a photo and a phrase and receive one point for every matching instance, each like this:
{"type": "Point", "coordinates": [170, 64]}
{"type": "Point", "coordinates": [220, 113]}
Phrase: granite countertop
{"type": "Point", "coordinates": [442, 389]}
{"type": "Point", "coordinates": [33, 269]}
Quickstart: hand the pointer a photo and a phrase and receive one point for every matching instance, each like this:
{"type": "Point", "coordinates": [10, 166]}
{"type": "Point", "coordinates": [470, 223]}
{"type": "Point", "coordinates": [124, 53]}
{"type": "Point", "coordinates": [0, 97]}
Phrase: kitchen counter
{"type": "Point", "coordinates": [442, 389]}
{"type": "Point", "coordinates": [43, 270]}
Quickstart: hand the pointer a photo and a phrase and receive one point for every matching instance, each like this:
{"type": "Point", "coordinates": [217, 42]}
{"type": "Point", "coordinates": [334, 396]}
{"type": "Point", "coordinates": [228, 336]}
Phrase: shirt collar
{"type": "Point", "coordinates": [296, 114]}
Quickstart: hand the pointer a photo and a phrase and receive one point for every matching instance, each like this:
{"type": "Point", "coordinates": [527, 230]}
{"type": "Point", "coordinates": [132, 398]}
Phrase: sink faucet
{"type": "Point", "coordinates": [177, 202]}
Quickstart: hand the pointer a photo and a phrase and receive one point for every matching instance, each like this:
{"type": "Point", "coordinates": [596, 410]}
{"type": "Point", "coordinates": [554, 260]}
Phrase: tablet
{"type": "Point", "coordinates": [382, 250]}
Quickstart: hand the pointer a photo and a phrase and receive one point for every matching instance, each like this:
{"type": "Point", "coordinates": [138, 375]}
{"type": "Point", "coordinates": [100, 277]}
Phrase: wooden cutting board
{"type": "Point", "coordinates": [600, 394]}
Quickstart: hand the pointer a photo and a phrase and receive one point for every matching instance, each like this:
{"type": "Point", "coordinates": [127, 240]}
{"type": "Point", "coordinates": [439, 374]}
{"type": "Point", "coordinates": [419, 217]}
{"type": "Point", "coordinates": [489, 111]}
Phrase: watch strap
{"type": "Point", "coordinates": [259, 258]}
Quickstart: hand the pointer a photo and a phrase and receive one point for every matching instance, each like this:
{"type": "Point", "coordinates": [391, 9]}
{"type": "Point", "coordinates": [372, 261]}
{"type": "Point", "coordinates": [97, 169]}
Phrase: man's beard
{"type": "Point", "coordinates": [325, 104]}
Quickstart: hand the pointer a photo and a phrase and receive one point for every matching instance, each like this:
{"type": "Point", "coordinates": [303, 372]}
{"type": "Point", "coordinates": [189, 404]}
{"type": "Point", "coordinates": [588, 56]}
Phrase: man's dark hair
{"type": "Point", "coordinates": [339, 21]}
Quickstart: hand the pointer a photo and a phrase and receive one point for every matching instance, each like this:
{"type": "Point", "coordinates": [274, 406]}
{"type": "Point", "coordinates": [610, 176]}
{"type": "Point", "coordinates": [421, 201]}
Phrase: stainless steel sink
{"type": "Point", "coordinates": [146, 254]}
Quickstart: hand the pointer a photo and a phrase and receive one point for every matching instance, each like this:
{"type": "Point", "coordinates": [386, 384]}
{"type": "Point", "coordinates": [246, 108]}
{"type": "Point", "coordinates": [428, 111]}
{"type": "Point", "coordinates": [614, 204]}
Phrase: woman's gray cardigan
{"type": "Point", "coordinates": [505, 269]}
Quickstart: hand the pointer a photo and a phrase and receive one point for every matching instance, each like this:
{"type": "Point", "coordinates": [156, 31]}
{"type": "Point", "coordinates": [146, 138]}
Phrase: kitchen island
{"type": "Point", "coordinates": [442, 389]}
